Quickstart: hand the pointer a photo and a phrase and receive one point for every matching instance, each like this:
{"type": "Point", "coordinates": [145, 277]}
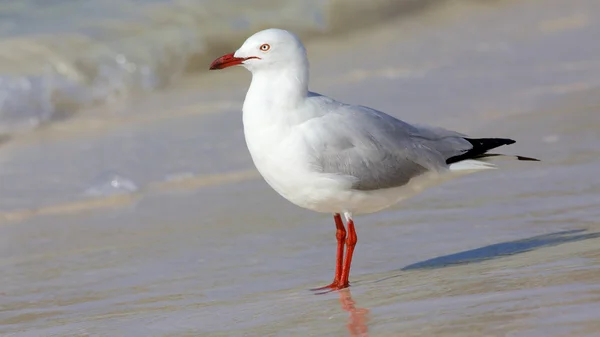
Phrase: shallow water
{"type": "Point", "coordinates": [205, 247]}
{"type": "Point", "coordinates": [60, 57]}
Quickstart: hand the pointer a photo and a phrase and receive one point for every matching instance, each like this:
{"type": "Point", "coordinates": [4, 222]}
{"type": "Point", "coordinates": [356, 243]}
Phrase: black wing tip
{"type": "Point", "coordinates": [482, 145]}
{"type": "Point", "coordinates": [490, 143]}
{"type": "Point", "coordinates": [526, 158]}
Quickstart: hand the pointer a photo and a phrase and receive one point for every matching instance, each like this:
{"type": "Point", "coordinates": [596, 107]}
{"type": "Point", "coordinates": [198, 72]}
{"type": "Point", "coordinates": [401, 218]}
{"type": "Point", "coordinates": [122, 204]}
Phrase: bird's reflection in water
{"type": "Point", "coordinates": [357, 322]}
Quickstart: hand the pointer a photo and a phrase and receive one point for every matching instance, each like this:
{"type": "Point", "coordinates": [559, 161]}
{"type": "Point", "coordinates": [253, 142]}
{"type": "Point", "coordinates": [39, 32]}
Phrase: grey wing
{"type": "Point", "coordinates": [378, 150]}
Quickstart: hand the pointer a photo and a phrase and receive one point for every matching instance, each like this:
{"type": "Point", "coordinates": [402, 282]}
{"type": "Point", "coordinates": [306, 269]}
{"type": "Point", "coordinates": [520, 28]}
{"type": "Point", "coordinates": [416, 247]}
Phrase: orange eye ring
{"type": "Point", "coordinates": [265, 47]}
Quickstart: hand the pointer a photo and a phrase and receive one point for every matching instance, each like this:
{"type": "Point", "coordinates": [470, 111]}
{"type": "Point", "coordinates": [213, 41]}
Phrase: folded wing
{"type": "Point", "coordinates": [377, 150]}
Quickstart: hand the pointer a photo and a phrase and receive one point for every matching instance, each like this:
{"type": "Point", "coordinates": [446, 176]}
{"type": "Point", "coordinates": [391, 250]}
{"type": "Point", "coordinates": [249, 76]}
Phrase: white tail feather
{"type": "Point", "coordinates": [471, 165]}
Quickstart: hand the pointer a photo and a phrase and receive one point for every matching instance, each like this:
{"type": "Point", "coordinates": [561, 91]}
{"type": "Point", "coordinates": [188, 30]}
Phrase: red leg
{"type": "Point", "coordinates": [340, 235]}
{"type": "Point", "coordinates": [350, 244]}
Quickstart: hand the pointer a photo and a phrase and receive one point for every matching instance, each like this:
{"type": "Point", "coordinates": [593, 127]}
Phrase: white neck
{"type": "Point", "coordinates": [280, 88]}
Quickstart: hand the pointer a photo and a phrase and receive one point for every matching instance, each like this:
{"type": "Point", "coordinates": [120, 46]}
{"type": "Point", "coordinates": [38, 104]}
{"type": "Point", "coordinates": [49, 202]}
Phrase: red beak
{"type": "Point", "coordinates": [228, 60]}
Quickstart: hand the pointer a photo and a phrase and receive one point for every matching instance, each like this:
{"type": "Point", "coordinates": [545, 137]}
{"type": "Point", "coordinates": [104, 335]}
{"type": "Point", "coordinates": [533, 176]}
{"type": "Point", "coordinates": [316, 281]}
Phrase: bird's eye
{"type": "Point", "coordinates": [265, 47]}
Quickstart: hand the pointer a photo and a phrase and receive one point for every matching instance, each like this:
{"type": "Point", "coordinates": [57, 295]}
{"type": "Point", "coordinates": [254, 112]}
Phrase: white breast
{"type": "Point", "coordinates": [277, 154]}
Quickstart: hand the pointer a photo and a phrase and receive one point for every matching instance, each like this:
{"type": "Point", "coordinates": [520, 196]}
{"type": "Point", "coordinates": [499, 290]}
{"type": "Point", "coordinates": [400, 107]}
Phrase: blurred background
{"type": "Point", "coordinates": [129, 205]}
{"type": "Point", "coordinates": [59, 57]}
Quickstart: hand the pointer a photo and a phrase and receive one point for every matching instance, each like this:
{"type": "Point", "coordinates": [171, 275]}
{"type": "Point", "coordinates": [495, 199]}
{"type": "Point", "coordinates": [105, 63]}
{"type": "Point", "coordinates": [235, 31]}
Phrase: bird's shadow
{"type": "Point", "coordinates": [502, 249]}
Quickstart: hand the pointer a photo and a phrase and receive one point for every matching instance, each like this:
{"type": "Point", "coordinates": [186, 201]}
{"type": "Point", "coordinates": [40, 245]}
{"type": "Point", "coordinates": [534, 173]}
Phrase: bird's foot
{"type": "Point", "coordinates": [335, 285]}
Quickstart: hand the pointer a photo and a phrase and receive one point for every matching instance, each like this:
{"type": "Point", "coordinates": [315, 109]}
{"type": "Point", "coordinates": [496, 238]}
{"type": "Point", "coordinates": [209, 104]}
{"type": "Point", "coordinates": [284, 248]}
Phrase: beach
{"type": "Point", "coordinates": [144, 215]}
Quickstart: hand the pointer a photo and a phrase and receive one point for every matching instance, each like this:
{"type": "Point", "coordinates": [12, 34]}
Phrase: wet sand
{"type": "Point", "coordinates": [213, 251]}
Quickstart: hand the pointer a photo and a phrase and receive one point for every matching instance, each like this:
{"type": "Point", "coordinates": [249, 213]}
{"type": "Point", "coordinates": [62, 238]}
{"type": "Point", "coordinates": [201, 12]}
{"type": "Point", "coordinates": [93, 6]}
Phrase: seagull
{"type": "Point", "coordinates": [337, 158]}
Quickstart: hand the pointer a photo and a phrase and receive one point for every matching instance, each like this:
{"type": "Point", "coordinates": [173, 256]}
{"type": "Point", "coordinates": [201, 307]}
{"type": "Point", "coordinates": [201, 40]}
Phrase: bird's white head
{"type": "Point", "coordinates": [268, 49]}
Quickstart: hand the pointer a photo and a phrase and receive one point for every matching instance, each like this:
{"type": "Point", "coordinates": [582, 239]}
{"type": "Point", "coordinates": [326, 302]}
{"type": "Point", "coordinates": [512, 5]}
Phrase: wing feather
{"type": "Point", "coordinates": [377, 150]}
